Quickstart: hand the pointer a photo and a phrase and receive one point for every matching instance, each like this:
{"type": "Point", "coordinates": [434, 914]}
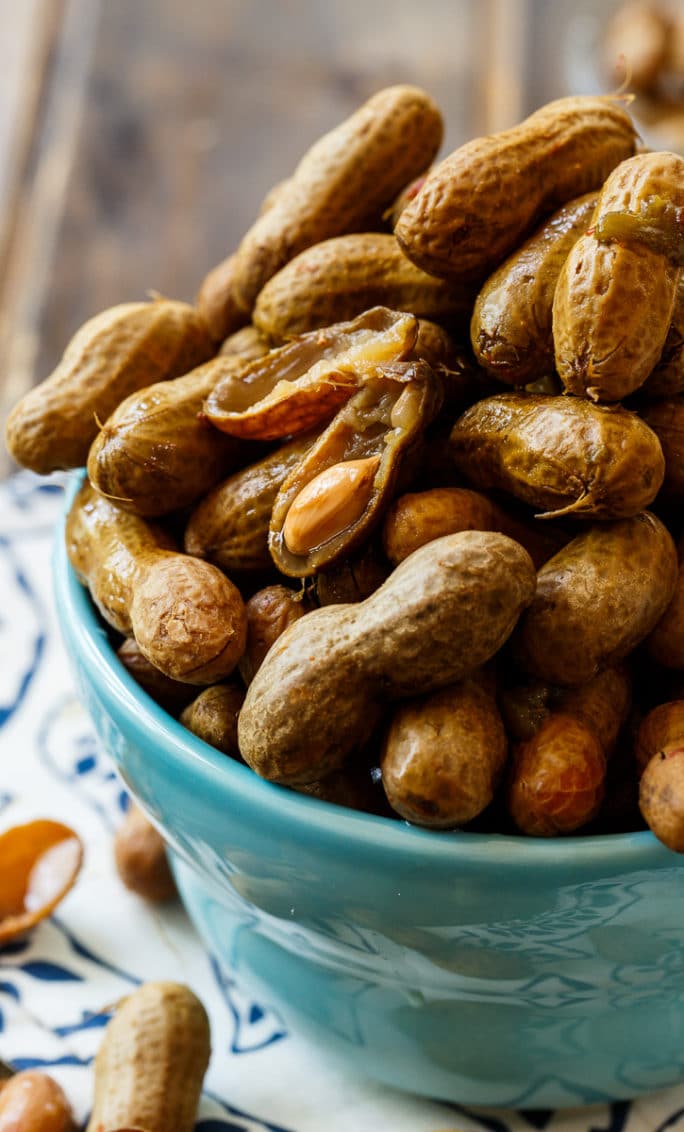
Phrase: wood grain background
{"type": "Point", "coordinates": [138, 136]}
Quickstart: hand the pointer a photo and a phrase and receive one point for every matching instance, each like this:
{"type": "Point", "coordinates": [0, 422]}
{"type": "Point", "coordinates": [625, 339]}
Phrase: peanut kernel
{"type": "Point", "coordinates": [329, 503]}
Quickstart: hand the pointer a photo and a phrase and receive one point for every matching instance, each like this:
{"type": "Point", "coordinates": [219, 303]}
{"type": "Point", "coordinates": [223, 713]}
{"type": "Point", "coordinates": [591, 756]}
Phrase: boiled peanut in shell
{"type": "Point", "coordinates": [442, 613]}
{"type": "Point", "coordinates": [479, 203]}
{"type": "Point", "coordinates": [615, 297]}
{"type": "Point", "coordinates": [117, 352]}
{"type": "Point", "coordinates": [597, 599]}
{"type": "Point", "coordinates": [563, 455]}
{"type": "Point", "coordinates": [186, 616]}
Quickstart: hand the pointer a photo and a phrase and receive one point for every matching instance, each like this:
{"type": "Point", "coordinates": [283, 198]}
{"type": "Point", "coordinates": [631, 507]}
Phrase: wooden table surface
{"type": "Point", "coordinates": [138, 136]}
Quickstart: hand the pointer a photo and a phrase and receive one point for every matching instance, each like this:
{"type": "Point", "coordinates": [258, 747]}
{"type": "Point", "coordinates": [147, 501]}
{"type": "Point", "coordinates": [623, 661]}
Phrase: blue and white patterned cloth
{"type": "Point", "coordinates": [57, 986]}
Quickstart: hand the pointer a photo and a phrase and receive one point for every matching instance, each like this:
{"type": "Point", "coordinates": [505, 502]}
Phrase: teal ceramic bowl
{"type": "Point", "coordinates": [472, 968]}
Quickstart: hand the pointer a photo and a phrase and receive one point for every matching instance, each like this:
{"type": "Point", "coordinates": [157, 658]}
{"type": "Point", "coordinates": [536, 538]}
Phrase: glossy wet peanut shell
{"type": "Point", "coordinates": [661, 796]}
{"type": "Point", "coordinates": [662, 727]}
{"type": "Point", "coordinates": [186, 616]}
{"type": "Point", "coordinates": [117, 352]}
{"type": "Point", "coordinates": [229, 527]}
{"type": "Point", "coordinates": [342, 277]}
{"type": "Point", "coordinates": [597, 599]}
{"type": "Point", "coordinates": [667, 379]}
{"type": "Point", "coordinates": [156, 453]}
{"type": "Point", "coordinates": [479, 203]}
{"type": "Point", "coordinates": [666, 419]}
{"type": "Point", "coordinates": [270, 612]}
{"type": "Point", "coordinates": [614, 300]}
{"type": "Point", "coordinates": [441, 614]}
{"type": "Point", "coordinates": [343, 183]}
{"type": "Point", "coordinates": [562, 455]}
{"type": "Point", "coordinates": [442, 756]}
{"type": "Point", "coordinates": [510, 329]}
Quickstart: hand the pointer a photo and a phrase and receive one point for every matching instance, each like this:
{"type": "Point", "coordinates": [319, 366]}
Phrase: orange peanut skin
{"type": "Point", "coordinates": [614, 300]}
{"type": "Point", "coordinates": [557, 780]}
{"type": "Point", "coordinates": [33, 1102]}
{"type": "Point", "coordinates": [662, 727]}
{"type": "Point", "coordinates": [661, 796]}
{"type": "Point", "coordinates": [342, 184]}
{"type": "Point", "coordinates": [478, 204]}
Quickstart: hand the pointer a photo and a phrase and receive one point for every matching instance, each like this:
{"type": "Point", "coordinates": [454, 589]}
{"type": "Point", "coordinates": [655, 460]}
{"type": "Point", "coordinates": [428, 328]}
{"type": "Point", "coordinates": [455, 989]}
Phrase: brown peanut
{"type": "Point", "coordinates": [666, 643]}
{"type": "Point", "coordinates": [216, 301]}
{"type": "Point", "coordinates": [342, 184]}
{"type": "Point", "coordinates": [666, 419]}
{"type": "Point", "coordinates": [31, 1101]}
{"type": "Point", "coordinates": [151, 1062]}
{"type": "Point", "coordinates": [141, 860]}
{"type": "Point", "coordinates": [114, 354]}
{"type": "Point", "coordinates": [477, 205]}
{"type": "Point", "coordinates": [212, 717]}
{"type": "Point", "coordinates": [170, 694]}
{"type": "Point", "coordinates": [662, 727]}
{"type": "Point", "coordinates": [269, 613]}
{"type": "Point", "coordinates": [614, 299]}
{"type": "Point", "coordinates": [342, 277]}
{"type": "Point", "coordinates": [661, 796]}
{"type": "Point", "coordinates": [185, 615]}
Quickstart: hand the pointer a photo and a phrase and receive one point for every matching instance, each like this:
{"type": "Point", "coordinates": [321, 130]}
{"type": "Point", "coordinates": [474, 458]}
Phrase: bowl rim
{"type": "Point", "coordinates": [86, 638]}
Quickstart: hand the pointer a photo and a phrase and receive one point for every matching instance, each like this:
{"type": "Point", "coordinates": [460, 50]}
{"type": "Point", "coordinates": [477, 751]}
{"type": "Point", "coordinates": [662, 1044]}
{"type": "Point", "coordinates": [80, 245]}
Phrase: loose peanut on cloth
{"type": "Point", "coordinates": [31, 1101]}
{"type": "Point", "coordinates": [597, 599]}
{"type": "Point", "coordinates": [342, 277]}
{"type": "Point", "coordinates": [151, 1063]}
{"type": "Point", "coordinates": [301, 385]}
{"type": "Point", "coordinates": [563, 455]}
{"type": "Point", "coordinates": [39, 864]}
{"type": "Point", "coordinates": [342, 184]}
{"type": "Point", "coordinates": [478, 204]}
{"type": "Point", "coordinates": [615, 296]}
{"type": "Point", "coordinates": [510, 329]}
{"type": "Point", "coordinates": [141, 860]}
{"type": "Point", "coordinates": [186, 616]}
{"type": "Point", "coordinates": [114, 354]}
{"type": "Point", "coordinates": [442, 756]}
{"type": "Point", "coordinates": [156, 453]}
{"type": "Point", "coordinates": [213, 715]}
{"type": "Point", "coordinates": [441, 614]}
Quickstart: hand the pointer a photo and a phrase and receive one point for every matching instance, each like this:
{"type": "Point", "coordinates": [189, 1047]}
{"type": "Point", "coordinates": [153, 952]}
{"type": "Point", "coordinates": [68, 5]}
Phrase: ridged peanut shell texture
{"type": "Point", "coordinates": [342, 277]}
{"type": "Point", "coordinates": [478, 204]}
{"type": "Point", "coordinates": [343, 184]}
{"type": "Point", "coordinates": [151, 1062]}
{"type": "Point", "coordinates": [597, 599]}
{"type": "Point", "coordinates": [118, 352]}
{"type": "Point", "coordinates": [615, 298]}
{"type": "Point", "coordinates": [325, 682]}
{"type": "Point", "coordinates": [562, 455]}
{"type": "Point", "coordinates": [510, 328]}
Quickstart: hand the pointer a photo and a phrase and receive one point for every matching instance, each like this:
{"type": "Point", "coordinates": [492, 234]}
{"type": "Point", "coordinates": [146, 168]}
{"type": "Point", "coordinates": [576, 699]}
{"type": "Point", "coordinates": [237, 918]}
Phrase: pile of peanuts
{"type": "Point", "coordinates": [401, 490]}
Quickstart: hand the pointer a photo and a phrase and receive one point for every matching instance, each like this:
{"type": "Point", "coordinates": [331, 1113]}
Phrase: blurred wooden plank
{"type": "Point", "coordinates": [28, 273]}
